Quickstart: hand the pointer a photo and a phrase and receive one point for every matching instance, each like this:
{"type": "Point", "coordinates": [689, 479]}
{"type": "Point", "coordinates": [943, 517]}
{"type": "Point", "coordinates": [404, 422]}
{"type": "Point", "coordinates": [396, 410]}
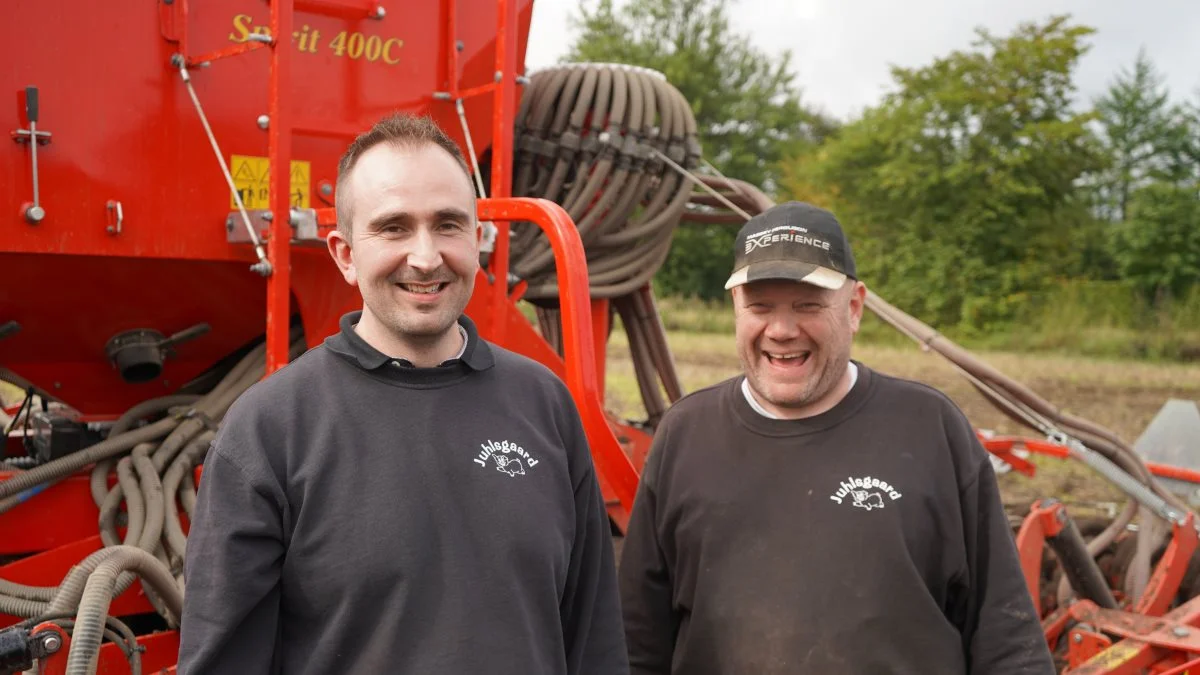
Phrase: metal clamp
{"type": "Point", "coordinates": [303, 221]}
{"type": "Point", "coordinates": [33, 212]}
{"type": "Point", "coordinates": [116, 216]}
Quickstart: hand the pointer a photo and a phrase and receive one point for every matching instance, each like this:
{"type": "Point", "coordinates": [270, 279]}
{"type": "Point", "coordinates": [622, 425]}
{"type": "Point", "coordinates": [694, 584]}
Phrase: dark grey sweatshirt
{"type": "Point", "coordinates": [359, 515]}
{"type": "Point", "coordinates": [868, 539]}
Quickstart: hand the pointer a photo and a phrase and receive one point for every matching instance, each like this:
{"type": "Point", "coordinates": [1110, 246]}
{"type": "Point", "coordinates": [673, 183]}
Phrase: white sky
{"type": "Point", "coordinates": [842, 49]}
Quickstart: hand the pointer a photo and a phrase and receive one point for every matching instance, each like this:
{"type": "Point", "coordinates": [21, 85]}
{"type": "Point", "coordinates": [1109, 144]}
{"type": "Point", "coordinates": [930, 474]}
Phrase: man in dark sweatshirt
{"type": "Point", "coordinates": [405, 497]}
{"type": "Point", "coordinates": [815, 516]}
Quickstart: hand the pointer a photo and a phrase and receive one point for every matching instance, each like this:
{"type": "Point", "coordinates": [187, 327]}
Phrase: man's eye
{"type": "Point", "coordinates": [450, 226]}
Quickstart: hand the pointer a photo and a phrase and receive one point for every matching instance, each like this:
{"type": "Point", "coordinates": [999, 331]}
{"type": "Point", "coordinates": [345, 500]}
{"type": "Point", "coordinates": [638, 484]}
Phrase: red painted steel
{"type": "Point", "coordinates": [159, 652]}
{"type": "Point", "coordinates": [505, 111]}
{"type": "Point", "coordinates": [1169, 572]}
{"type": "Point", "coordinates": [56, 663]}
{"type": "Point", "coordinates": [579, 358]}
{"type": "Point", "coordinates": [1004, 444]}
{"type": "Point", "coordinates": [56, 516]}
{"type": "Point", "coordinates": [279, 153]}
{"type": "Point", "coordinates": [49, 569]}
{"type": "Point", "coordinates": [1149, 642]}
{"type": "Point", "coordinates": [1043, 521]}
{"type": "Point", "coordinates": [124, 129]}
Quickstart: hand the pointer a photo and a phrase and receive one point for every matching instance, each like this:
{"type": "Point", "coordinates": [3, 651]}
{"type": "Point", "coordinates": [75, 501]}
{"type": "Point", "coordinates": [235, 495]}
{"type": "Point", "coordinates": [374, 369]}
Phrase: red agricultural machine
{"type": "Point", "coordinates": [150, 276]}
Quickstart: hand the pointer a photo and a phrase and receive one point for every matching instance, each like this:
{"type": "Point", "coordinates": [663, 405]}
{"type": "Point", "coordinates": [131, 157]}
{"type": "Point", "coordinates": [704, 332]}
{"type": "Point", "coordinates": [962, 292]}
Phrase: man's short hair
{"type": "Point", "coordinates": [402, 130]}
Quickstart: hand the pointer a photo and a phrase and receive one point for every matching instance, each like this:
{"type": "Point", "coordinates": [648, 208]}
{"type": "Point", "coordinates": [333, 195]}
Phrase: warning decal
{"type": "Point", "coordinates": [251, 177]}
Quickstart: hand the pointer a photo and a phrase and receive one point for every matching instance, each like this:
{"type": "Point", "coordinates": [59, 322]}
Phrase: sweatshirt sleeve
{"type": "Point", "coordinates": [233, 566]}
{"type": "Point", "coordinates": [590, 608]}
{"type": "Point", "coordinates": [1002, 634]}
{"type": "Point", "coordinates": [651, 621]}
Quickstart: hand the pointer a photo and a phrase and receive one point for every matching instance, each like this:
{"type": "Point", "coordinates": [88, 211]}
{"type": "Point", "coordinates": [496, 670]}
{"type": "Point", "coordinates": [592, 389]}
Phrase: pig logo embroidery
{"type": "Point", "coordinates": [507, 456]}
{"type": "Point", "coordinates": [867, 500]}
{"type": "Point", "coordinates": [866, 492]}
{"type": "Point", "coordinates": [509, 465]}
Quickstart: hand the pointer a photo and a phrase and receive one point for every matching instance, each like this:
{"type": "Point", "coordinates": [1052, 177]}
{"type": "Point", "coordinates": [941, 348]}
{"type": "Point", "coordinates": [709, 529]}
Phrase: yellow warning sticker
{"type": "Point", "coordinates": [1114, 656]}
{"type": "Point", "coordinates": [251, 177]}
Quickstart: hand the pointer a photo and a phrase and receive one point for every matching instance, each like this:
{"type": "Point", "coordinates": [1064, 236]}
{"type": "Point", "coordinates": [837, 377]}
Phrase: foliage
{"type": "Point", "coordinates": [960, 190]}
{"type": "Point", "coordinates": [746, 104]}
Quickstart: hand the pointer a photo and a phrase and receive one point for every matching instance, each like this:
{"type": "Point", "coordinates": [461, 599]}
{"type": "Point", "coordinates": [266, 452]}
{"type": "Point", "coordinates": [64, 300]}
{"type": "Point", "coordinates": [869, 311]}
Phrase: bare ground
{"type": "Point", "coordinates": [1121, 395]}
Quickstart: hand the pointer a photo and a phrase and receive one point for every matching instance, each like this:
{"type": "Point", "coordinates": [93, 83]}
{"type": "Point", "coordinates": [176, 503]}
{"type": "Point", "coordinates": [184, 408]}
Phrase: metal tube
{"type": "Point", "coordinates": [1121, 478]}
{"type": "Point", "coordinates": [237, 198]}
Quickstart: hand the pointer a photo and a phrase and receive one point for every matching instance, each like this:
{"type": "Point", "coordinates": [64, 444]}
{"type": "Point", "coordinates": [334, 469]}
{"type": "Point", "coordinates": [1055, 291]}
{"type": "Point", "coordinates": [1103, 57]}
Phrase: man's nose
{"type": "Point", "coordinates": [424, 255]}
{"type": "Point", "coordinates": [781, 328]}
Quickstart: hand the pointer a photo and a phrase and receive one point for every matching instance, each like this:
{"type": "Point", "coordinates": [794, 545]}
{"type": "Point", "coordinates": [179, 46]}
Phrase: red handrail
{"type": "Point", "coordinates": [579, 355]}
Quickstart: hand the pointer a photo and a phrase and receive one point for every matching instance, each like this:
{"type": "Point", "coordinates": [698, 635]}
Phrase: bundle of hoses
{"type": "Point", "coordinates": [154, 465]}
{"type": "Point", "coordinates": [593, 138]}
{"type": "Point", "coordinates": [1014, 399]}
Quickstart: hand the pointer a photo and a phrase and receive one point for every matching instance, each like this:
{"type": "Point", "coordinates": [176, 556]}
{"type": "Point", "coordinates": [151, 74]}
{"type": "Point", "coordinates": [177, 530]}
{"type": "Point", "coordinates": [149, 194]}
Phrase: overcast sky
{"type": "Point", "coordinates": [842, 49]}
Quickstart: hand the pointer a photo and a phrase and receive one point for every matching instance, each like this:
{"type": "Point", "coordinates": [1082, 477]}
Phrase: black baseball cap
{"type": "Point", "coordinates": [794, 241]}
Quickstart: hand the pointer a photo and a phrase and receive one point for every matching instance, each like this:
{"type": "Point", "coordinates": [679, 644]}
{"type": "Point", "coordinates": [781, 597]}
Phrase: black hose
{"type": "Point", "coordinates": [1079, 566]}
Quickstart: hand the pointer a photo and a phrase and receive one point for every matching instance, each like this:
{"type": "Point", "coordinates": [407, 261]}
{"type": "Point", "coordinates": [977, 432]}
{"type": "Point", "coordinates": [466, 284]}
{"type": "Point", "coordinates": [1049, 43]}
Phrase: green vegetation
{"type": "Point", "coordinates": [982, 195]}
{"type": "Point", "coordinates": [1092, 319]}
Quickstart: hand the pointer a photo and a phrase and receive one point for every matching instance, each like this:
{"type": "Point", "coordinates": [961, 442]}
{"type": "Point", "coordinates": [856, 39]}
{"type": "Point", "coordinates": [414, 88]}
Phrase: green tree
{"type": "Point", "coordinates": [1150, 191]}
{"type": "Point", "coordinates": [746, 104]}
{"type": "Point", "coordinates": [1158, 247]}
{"type": "Point", "coordinates": [960, 190]}
{"type": "Point", "coordinates": [1135, 121]}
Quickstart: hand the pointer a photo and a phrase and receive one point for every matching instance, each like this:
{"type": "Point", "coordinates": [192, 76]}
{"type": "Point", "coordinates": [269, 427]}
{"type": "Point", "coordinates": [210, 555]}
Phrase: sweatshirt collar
{"type": "Point", "coordinates": [476, 354]}
{"type": "Point", "coordinates": [853, 400]}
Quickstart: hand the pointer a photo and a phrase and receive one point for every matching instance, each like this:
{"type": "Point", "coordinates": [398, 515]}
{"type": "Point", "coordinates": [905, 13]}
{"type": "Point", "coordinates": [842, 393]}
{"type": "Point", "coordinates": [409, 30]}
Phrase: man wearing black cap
{"type": "Point", "coordinates": [813, 515]}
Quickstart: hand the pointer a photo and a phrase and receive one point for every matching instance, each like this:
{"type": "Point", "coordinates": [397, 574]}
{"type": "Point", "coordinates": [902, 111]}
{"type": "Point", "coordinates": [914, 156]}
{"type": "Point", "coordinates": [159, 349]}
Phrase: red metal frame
{"type": "Point", "coordinates": [579, 350]}
{"type": "Point", "coordinates": [503, 117]}
{"type": "Point", "coordinates": [1002, 446]}
{"type": "Point", "coordinates": [1151, 644]}
{"type": "Point", "coordinates": [172, 266]}
{"type": "Point", "coordinates": [279, 153]}
{"type": "Point", "coordinates": [1161, 643]}
{"type": "Point", "coordinates": [1043, 521]}
{"type": "Point", "coordinates": [1168, 573]}
{"type": "Point", "coordinates": [159, 652]}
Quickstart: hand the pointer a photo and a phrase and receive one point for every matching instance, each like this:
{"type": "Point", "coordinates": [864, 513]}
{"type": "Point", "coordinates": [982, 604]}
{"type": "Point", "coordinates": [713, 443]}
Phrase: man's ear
{"type": "Point", "coordinates": [858, 297]}
{"type": "Point", "coordinates": [338, 243]}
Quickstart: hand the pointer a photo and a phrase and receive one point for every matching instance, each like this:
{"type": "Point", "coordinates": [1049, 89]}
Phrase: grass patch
{"type": "Point", "coordinates": [1121, 394]}
{"type": "Point", "coordinates": [1094, 319]}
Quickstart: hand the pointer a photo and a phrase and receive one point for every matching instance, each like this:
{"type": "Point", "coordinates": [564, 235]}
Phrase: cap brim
{"type": "Point", "coordinates": [789, 270]}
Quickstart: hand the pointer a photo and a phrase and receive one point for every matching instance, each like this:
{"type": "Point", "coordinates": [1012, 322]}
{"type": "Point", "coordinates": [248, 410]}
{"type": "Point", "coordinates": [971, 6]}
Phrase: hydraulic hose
{"type": "Point", "coordinates": [174, 538]}
{"type": "Point", "coordinates": [1079, 567]}
{"type": "Point", "coordinates": [139, 483]}
{"type": "Point", "coordinates": [97, 596]}
{"type": "Point", "coordinates": [626, 205]}
{"type": "Point", "coordinates": [589, 137]}
{"type": "Point", "coordinates": [154, 406]}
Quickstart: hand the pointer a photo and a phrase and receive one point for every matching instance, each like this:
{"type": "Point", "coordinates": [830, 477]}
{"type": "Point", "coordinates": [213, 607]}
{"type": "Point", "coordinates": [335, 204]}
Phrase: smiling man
{"type": "Point", "coordinates": [816, 516]}
{"type": "Point", "coordinates": [405, 497]}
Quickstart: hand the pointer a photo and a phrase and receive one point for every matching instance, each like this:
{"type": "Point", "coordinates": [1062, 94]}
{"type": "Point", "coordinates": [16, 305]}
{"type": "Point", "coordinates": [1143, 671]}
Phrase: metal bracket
{"type": "Point", "coordinates": [303, 222]}
{"type": "Point", "coordinates": [32, 211]}
{"type": "Point", "coordinates": [116, 216]}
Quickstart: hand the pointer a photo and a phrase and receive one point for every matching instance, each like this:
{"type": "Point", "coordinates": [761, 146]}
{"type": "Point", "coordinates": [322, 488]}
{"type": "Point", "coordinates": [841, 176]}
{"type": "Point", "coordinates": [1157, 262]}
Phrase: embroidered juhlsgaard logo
{"type": "Point", "coordinates": [506, 456]}
{"type": "Point", "coordinates": [865, 493]}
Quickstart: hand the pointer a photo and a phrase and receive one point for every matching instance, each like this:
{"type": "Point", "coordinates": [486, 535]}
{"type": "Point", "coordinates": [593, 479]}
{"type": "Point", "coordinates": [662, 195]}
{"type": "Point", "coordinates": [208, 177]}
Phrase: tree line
{"type": "Point", "coordinates": [979, 182]}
